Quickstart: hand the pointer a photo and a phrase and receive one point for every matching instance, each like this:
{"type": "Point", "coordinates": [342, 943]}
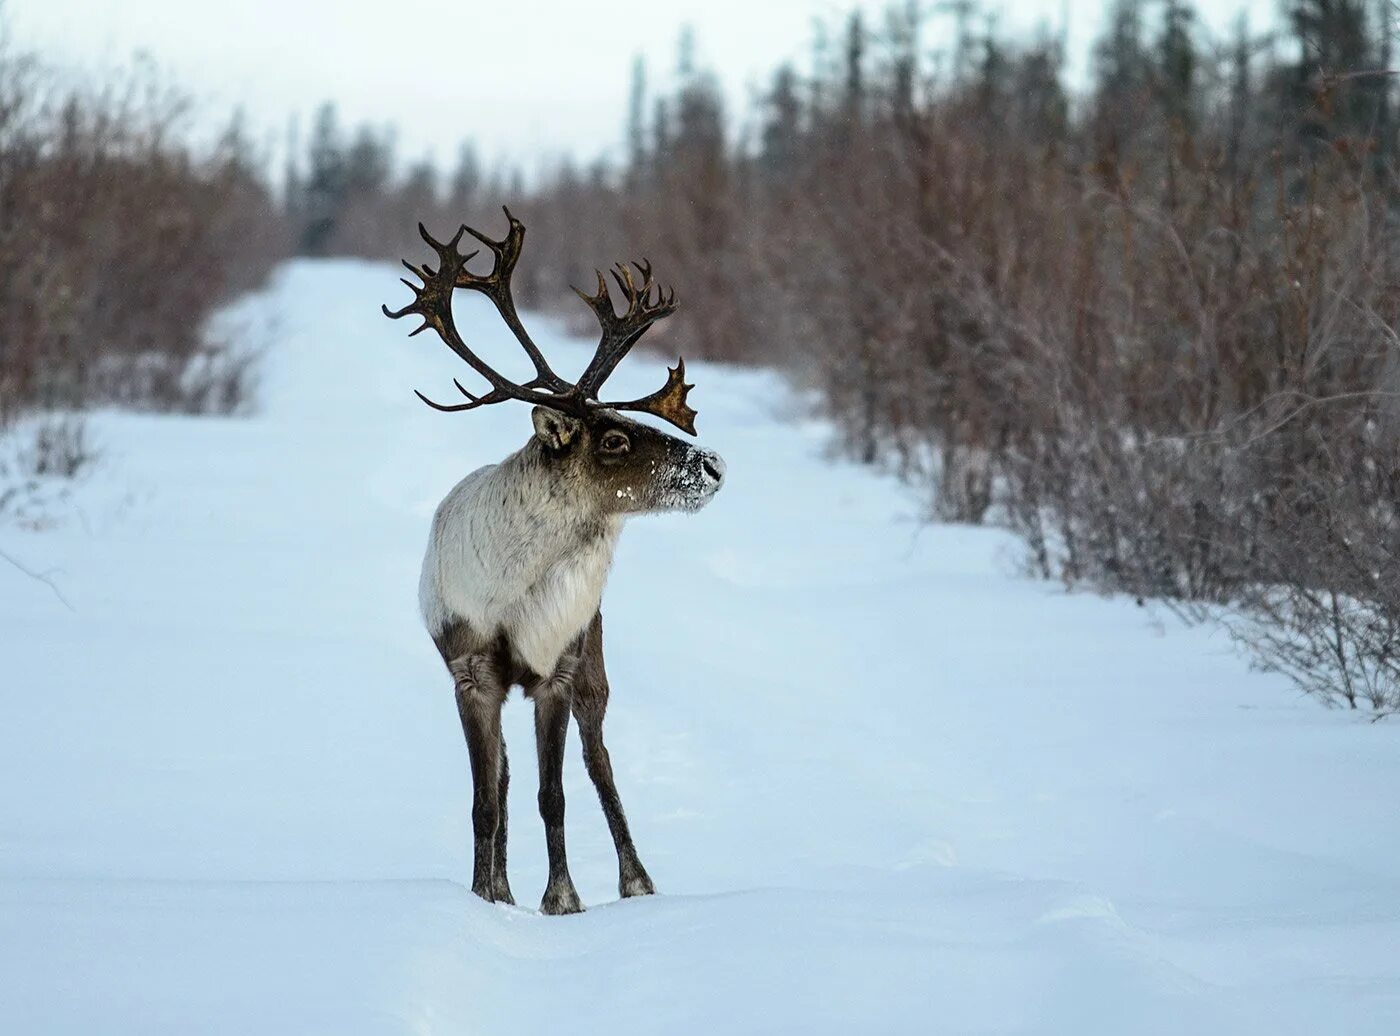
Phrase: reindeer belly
{"type": "Point", "coordinates": [539, 621]}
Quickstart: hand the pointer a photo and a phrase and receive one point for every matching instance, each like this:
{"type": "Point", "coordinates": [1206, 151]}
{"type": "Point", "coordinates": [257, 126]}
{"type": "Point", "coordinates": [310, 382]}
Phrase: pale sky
{"type": "Point", "coordinates": [528, 81]}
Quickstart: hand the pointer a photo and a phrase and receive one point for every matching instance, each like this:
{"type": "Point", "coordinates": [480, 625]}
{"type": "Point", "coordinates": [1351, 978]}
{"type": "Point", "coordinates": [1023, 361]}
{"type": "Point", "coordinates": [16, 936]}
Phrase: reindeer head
{"type": "Point", "coordinates": [617, 464]}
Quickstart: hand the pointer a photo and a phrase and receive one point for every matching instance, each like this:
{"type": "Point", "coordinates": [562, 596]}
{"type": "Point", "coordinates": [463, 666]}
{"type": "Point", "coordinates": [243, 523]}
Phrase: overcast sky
{"type": "Point", "coordinates": [528, 80]}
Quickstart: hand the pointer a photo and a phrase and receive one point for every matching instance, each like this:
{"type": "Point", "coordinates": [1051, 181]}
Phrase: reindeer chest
{"type": "Point", "coordinates": [508, 559]}
{"type": "Point", "coordinates": [558, 604]}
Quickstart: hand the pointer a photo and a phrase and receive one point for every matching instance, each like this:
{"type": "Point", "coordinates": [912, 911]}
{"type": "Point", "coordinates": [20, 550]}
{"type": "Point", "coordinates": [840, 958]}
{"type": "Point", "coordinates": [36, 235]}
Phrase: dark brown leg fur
{"type": "Point", "coordinates": [481, 691]}
{"type": "Point", "coordinates": [590, 704]}
{"type": "Point", "coordinates": [551, 730]}
{"type": "Point", "coordinates": [580, 685]}
{"type": "Point", "coordinates": [500, 881]}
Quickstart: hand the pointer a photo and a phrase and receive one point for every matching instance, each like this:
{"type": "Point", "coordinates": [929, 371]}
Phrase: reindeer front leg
{"type": "Point", "coordinates": [590, 704]}
{"type": "Point", "coordinates": [552, 698]}
{"type": "Point", "coordinates": [480, 694]}
{"type": "Point", "coordinates": [500, 882]}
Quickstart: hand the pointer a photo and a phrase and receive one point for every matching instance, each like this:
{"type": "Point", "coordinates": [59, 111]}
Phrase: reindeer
{"type": "Point", "coordinates": [519, 552]}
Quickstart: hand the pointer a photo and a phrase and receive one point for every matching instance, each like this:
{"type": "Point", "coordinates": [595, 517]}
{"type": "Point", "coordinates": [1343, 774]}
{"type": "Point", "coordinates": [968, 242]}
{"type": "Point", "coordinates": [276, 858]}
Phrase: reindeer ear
{"type": "Point", "coordinates": [555, 429]}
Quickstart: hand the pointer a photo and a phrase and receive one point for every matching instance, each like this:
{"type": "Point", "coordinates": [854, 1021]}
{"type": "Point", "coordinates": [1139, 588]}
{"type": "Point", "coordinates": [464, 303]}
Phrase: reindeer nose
{"type": "Point", "coordinates": [713, 465]}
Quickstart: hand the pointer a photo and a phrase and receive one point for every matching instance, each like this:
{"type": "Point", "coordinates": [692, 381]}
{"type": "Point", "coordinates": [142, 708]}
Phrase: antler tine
{"type": "Point", "coordinates": [473, 402]}
{"type": "Point", "coordinates": [443, 249]}
{"type": "Point", "coordinates": [505, 251]}
{"type": "Point", "coordinates": [432, 300]}
{"type": "Point", "coordinates": [621, 331]}
{"type": "Point", "coordinates": [600, 303]}
{"type": "Point", "coordinates": [638, 298]}
{"type": "Point", "coordinates": [622, 273]}
{"type": "Point", "coordinates": [445, 408]}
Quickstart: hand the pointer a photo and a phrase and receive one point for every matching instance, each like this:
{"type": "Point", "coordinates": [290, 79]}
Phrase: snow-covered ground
{"type": "Point", "coordinates": [883, 784]}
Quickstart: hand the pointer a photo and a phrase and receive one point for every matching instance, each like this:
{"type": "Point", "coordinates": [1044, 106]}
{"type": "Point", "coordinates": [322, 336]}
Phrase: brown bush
{"type": "Point", "coordinates": [117, 240]}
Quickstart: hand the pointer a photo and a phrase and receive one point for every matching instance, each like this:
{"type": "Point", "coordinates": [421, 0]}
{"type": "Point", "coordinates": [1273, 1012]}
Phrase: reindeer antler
{"type": "Point", "coordinates": [433, 302]}
{"type": "Point", "coordinates": [621, 332]}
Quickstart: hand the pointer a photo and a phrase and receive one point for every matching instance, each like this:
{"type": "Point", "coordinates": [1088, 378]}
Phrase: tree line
{"type": "Point", "coordinates": [1150, 325]}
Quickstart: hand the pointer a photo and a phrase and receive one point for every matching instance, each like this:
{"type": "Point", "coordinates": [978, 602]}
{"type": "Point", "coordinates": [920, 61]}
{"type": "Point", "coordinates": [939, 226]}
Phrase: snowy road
{"type": "Point", "coordinates": [883, 784]}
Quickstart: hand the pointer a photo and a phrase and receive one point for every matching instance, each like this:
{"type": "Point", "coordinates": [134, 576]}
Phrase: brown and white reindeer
{"type": "Point", "coordinates": [520, 550]}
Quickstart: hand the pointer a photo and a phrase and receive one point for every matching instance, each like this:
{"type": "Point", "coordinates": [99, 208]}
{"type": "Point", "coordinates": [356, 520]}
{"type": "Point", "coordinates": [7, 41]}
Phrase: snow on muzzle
{"type": "Point", "coordinates": [696, 479]}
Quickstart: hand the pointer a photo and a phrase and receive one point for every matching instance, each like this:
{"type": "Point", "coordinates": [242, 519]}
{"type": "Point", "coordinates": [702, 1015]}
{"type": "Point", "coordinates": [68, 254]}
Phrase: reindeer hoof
{"type": "Point", "coordinates": [561, 900]}
{"type": "Point", "coordinates": [636, 885]}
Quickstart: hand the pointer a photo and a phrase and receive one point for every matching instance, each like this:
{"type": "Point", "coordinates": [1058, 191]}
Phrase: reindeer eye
{"type": "Point", "coordinates": [615, 442]}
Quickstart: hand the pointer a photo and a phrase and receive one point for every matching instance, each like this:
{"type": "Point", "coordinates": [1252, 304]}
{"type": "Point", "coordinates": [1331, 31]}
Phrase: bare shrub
{"type": "Point", "coordinates": [1326, 608]}
{"type": "Point", "coordinates": [59, 447]}
{"type": "Point", "coordinates": [117, 240]}
{"type": "Point", "coordinates": [40, 456]}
